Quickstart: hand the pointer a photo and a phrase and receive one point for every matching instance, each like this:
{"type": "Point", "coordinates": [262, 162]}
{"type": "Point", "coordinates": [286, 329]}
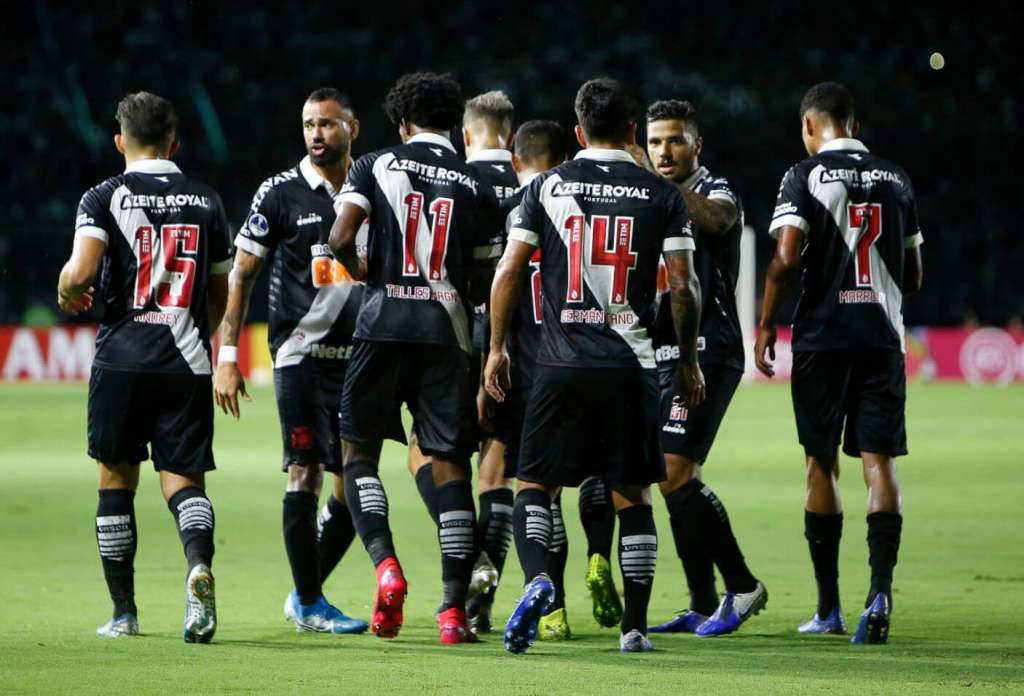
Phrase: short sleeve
{"type": "Point", "coordinates": [264, 225]}
{"type": "Point", "coordinates": [793, 206]}
{"type": "Point", "coordinates": [525, 221]}
{"type": "Point", "coordinates": [358, 188]}
{"type": "Point", "coordinates": [721, 190]}
{"type": "Point", "coordinates": [912, 236]}
{"type": "Point", "coordinates": [678, 235]}
{"type": "Point", "coordinates": [220, 240]}
{"type": "Point", "coordinates": [93, 216]}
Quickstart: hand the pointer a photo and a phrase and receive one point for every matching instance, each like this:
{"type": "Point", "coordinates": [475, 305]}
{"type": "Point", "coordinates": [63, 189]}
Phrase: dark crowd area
{"type": "Point", "coordinates": [239, 72]}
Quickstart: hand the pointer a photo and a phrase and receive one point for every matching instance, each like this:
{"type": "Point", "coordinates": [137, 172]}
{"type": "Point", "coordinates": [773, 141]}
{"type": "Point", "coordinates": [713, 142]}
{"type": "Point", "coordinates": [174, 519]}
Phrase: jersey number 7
{"type": "Point", "coordinates": [441, 215]}
{"type": "Point", "coordinates": [176, 267]}
{"type": "Point", "coordinates": [615, 250]}
{"type": "Point", "coordinates": [866, 217]}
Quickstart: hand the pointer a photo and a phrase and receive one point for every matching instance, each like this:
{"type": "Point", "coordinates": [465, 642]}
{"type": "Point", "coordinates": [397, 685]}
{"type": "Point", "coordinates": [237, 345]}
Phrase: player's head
{"type": "Point", "coordinates": [149, 126]}
{"type": "Point", "coordinates": [424, 101]}
{"type": "Point", "coordinates": [539, 146]}
{"type": "Point", "coordinates": [606, 112]}
{"type": "Point", "coordinates": [328, 126]}
{"type": "Point", "coordinates": [487, 122]}
{"type": "Point", "coordinates": [673, 141]}
{"type": "Point", "coordinates": [826, 113]}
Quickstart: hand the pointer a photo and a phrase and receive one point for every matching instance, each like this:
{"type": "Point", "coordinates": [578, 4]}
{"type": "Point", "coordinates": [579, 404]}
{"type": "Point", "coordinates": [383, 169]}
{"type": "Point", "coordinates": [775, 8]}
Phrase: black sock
{"type": "Point", "coordinates": [494, 529]}
{"type": "Point", "coordinates": [558, 553]}
{"type": "Point", "coordinates": [456, 530]}
{"type": "Point", "coordinates": [299, 525]}
{"type": "Point", "coordinates": [823, 533]}
{"type": "Point", "coordinates": [638, 555]}
{"type": "Point", "coordinates": [597, 515]}
{"type": "Point", "coordinates": [428, 491]}
{"type": "Point", "coordinates": [334, 535]}
{"type": "Point", "coordinates": [368, 504]}
{"type": "Point", "coordinates": [193, 514]}
{"type": "Point", "coordinates": [721, 544]}
{"type": "Point", "coordinates": [117, 540]}
{"type": "Point", "coordinates": [531, 527]}
{"type": "Point", "coordinates": [691, 546]}
{"type": "Point", "coordinates": [884, 530]}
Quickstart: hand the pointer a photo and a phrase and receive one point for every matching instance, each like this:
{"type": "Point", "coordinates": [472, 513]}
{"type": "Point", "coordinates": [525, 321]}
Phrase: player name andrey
{"type": "Point", "coordinates": [431, 171]}
{"type": "Point", "coordinates": [586, 188]}
{"type": "Point", "coordinates": [856, 177]}
{"type": "Point", "coordinates": [181, 200]}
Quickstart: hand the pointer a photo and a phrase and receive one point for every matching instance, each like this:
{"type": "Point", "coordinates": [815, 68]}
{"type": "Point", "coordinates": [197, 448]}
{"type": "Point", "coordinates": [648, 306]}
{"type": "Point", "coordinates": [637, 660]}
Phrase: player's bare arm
{"type": "Point", "coordinates": [505, 290]}
{"type": "Point", "coordinates": [685, 293]}
{"type": "Point", "coordinates": [216, 300]}
{"type": "Point", "coordinates": [343, 239]}
{"type": "Point", "coordinates": [711, 216]}
{"type": "Point", "coordinates": [913, 271]}
{"type": "Point", "coordinates": [74, 288]}
{"type": "Point", "coordinates": [229, 383]}
{"type": "Point", "coordinates": [778, 283]}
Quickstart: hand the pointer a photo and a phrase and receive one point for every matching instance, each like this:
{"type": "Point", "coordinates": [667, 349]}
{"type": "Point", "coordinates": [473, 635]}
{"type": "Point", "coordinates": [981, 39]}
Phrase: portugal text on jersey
{"type": "Point", "coordinates": [165, 234]}
{"type": "Point", "coordinates": [428, 217]}
{"type": "Point", "coordinates": [313, 301]}
{"type": "Point", "coordinates": [601, 223]}
{"type": "Point", "coordinates": [858, 214]}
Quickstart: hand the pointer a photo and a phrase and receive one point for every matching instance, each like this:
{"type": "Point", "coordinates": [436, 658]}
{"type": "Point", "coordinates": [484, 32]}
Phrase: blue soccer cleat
{"type": "Point", "coordinates": [684, 622]}
{"type": "Point", "coordinates": [635, 642]}
{"type": "Point", "coordinates": [833, 624]}
{"type": "Point", "coordinates": [735, 608]}
{"type": "Point", "coordinates": [320, 617]}
{"type": "Point", "coordinates": [521, 629]}
{"type": "Point", "coordinates": [200, 606]}
{"type": "Point", "coordinates": [873, 626]}
{"type": "Point", "coordinates": [123, 625]}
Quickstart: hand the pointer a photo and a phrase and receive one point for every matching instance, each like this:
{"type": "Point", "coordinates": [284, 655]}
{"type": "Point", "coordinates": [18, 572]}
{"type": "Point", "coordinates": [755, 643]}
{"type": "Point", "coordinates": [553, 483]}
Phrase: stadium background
{"type": "Point", "coordinates": [239, 73]}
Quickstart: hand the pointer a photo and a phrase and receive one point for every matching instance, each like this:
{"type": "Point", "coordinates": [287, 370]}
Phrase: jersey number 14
{"type": "Point", "coordinates": [615, 250]}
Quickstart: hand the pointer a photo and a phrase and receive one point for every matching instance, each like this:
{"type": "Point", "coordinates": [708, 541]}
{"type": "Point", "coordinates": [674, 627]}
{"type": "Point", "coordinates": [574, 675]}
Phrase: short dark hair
{"type": "Point", "coordinates": [147, 119]}
{"type": "Point", "coordinates": [605, 109]}
{"type": "Point", "coordinates": [494, 106]}
{"type": "Point", "coordinates": [427, 99]}
{"type": "Point", "coordinates": [673, 110]}
{"type": "Point", "coordinates": [539, 138]}
{"type": "Point", "coordinates": [831, 99]}
{"type": "Point", "coordinates": [322, 94]}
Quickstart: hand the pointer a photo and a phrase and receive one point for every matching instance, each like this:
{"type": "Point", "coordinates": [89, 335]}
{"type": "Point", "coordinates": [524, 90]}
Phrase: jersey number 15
{"type": "Point", "coordinates": [175, 271]}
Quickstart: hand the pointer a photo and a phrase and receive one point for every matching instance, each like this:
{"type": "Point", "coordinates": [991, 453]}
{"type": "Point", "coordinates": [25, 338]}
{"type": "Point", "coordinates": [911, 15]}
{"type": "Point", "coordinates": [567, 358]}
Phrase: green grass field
{"type": "Point", "coordinates": [960, 581]}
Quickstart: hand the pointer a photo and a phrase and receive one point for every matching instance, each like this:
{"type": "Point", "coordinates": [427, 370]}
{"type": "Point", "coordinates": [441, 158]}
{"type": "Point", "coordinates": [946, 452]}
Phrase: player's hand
{"type": "Point", "coordinates": [75, 304]}
{"type": "Point", "coordinates": [640, 157]}
{"type": "Point", "coordinates": [227, 386]}
{"type": "Point", "coordinates": [691, 383]}
{"type": "Point", "coordinates": [485, 410]}
{"type": "Point", "coordinates": [497, 379]}
{"type": "Point", "coordinates": [765, 344]}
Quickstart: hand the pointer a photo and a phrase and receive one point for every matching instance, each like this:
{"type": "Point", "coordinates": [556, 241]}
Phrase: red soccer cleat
{"type": "Point", "coordinates": [454, 628]}
{"type": "Point", "coordinates": [387, 603]}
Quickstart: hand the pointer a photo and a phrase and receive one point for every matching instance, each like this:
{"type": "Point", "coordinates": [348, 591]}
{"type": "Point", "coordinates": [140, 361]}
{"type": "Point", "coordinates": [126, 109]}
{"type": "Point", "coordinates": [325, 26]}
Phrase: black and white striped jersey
{"type": "Point", "coordinates": [717, 264]}
{"type": "Point", "coordinates": [858, 215]}
{"type": "Point", "coordinates": [165, 234]}
{"type": "Point", "coordinates": [524, 331]}
{"type": "Point", "coordinates": [492, 168]}
{"type": "Point", "coordinates": [429, 217]}
{"type": "Point", "coordinates": [602, 224]}
{"type": "Point", "coordinates": [313, 300]}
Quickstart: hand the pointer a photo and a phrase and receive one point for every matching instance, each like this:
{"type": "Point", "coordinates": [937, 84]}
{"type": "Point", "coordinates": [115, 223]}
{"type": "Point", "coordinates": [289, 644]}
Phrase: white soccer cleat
{"type": "Point", "coordinates": [200, 606]}
{"type": "Point", "coordinates": [635, 642]}
{"type": "Point", "coordinates": [485, 576]}
{"type": "Point", "coordinates": [123, 625]}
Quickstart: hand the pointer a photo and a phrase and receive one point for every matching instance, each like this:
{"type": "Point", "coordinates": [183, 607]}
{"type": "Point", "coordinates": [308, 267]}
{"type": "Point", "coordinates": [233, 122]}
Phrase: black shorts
{"type": "Point", "coordinates": [583, 422]}
{"type": "Point", "coordinates": [691, 432]}
{"type": "Point", "coordinates": [508, 423]}
{"type": "Point", "coordinates": [866, 389]}
{"type": "Point", "coordinates": [308, 401]}
{"type": "Point", "coordinates": [172, 412]}
{"type": "Point", "coordinates": [433, 380]}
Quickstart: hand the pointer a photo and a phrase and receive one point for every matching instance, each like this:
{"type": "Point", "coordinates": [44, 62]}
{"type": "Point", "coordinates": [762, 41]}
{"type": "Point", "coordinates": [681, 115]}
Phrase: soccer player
{"type": "Point", "coordinates": [700, 524]}
{"type": "Point", "coordinates": [601, 223]}
{"type": "Point", "coordinates": [429, 217]}
{"type": "Point", "coordinates": [846, 225]}
{"type": "Point", "coordinates": [313, 306]}
{"type": "Point", "coordinates": [162, 239]}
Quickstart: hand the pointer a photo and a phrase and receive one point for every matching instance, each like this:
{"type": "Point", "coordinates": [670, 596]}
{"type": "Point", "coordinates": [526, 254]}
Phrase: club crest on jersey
{"type": "Point", "coordinates": [257, 225]}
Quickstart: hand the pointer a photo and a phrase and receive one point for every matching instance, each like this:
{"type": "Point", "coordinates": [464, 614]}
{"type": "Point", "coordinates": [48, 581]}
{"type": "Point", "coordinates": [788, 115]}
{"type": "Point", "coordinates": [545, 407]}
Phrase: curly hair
{"type": "Point", "coordinates": [427, 99]}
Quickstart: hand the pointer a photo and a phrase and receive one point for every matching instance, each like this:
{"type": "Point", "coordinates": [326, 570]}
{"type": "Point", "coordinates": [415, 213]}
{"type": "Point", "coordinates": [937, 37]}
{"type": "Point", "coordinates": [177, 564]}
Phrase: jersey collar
{"type": "Point", "coordinates": [492, 155]}
{"type": "Point", "coordinates": [313, 178]}
{"type": "Point", "coordinates": [605, 155]}
{"type": "Point", "coordinates": [153, 166]}
{"type": "Point", "coordinates": [431, 139]}
{"type": "Point", "coordinates": [843, 144]}
{"type": "Point", "coordinates": [691, 181]}
{"type": "Point", "coordinates": [529, 178]}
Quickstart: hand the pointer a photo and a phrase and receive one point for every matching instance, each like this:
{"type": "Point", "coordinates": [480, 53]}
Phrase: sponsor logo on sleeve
{"type": "Point", "coordinates": [257, 225]}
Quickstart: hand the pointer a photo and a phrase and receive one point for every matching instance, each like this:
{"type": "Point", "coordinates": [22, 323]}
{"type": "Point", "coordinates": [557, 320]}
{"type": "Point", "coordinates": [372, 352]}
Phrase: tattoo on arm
{"type": "Point", "coordinates": [240, 283]}
{"type": "Point", "coordinates": [684, 291]}
{"type": "Point", "coordinates": [714, 217]}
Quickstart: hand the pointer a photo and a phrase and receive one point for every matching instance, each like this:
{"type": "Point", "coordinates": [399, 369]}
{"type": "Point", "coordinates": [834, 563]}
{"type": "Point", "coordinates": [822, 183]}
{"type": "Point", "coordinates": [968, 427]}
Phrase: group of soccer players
{"type": "Point", "coordinates": [572, 320]}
